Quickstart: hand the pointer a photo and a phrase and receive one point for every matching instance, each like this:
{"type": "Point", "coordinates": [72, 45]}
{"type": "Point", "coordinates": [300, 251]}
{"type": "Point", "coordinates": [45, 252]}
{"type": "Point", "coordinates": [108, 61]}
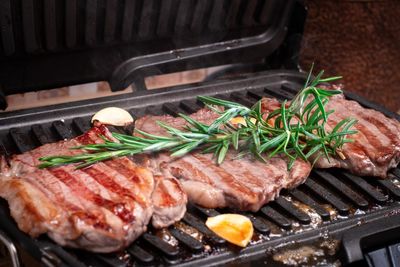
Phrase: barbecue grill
{"type": "Point", "coordinates": [336, 216]}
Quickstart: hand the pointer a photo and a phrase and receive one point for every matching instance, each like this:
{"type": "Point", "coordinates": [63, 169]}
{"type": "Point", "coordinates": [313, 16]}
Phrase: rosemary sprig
{"type": "Point", "coordinates": [298, 131]}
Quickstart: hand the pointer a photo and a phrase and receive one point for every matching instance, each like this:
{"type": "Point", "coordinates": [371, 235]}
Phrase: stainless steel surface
{"type": "Point", "coordinates": [11, 249]}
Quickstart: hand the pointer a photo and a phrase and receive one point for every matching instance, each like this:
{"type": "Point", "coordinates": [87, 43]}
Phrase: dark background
{"type": "Point", "coordinates": [359, 40]}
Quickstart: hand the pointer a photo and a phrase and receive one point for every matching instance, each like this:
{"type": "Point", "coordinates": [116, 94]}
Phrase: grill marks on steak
{"type": "Point", "coordinates": [101, 208]}
{"type": "Point", "coordinates": [376, 146]}
{"type": "Point", "coordinates": [169, 201]}
{"type": "Point", "coordinates": [244, 184]}
{"type": "Point", "coordinates": [75, 220]}
{"type": "Point", "coordinates": [149, 123]}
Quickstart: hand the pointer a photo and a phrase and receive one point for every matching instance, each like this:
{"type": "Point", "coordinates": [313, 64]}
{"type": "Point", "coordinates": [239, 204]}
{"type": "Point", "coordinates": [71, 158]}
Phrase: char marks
{"type": "Point", "coordinates": [243, 184]}
{"type": "Point", "coordinates": [104, 207]}
{"type": "Point", "coordinates": [376, 146]}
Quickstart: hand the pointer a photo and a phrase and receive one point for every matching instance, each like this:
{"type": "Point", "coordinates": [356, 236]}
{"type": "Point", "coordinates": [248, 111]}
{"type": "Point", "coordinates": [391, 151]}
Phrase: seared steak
{"type": "Point", "coordinates": [101, 208]}
{"type": "Point", "coordinates": [169, 201]}
{"type": "Point", "coordinates": [149, 123]}
{"type": "Point", "coordinates": [376, 147]}
{"type": "Point", "coordinates": [244, 184]}
{"type": "Point", "coordinates": [169, 197]}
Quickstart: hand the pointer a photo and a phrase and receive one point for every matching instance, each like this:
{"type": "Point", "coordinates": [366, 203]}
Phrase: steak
{"type": "Point", "coordinates": [149, 123]}
{"type": "Point", "coordinates": [244, 184]}
{"type": "Point", "coordinates": [376, 146]}
{"type": "Point", "coordinates": [102, 208]}
{"type": "Point", "coordinates": [169, 201]}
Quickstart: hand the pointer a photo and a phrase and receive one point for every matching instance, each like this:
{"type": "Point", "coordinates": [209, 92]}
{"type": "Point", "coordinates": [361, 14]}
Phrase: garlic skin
{"type": "Point", "coordinates": [113, 116]}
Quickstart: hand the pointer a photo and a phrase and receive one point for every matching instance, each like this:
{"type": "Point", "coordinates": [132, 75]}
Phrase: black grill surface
{"type": "Point", "coordinates": [323, 208]}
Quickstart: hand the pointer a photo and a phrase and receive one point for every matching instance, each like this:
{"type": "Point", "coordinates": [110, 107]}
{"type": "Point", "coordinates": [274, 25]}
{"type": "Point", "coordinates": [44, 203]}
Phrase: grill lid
{"type": "Point", "coordinates": [48, 44]}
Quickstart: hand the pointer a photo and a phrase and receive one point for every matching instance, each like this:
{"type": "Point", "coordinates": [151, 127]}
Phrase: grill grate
{"type": "Point", "coordinates": [334, 195]}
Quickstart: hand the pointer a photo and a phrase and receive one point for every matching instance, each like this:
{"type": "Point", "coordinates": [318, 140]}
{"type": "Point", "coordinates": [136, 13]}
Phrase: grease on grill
{"type": "Point", "coordinates": [359, 212]}
{"type": "Point", "coordinates": [258, 238]}
{"type": "Point", "coordinates": [332, 211]}
{"type": "Point", "coordinates": [316, 220]}
{"type": "Point", "coordinates": [276, 231]}
{"type": "Point", "coordinates": [193, 232]}
{"type": "Point", "coordinates": [167, 237]}
{"type": "Point", "coordinates": [308, 255]}
{"type": "Point", "coordinates": [396, 182]}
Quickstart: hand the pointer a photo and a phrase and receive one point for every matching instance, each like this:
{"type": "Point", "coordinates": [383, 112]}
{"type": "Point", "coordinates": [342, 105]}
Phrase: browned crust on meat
{"type": "Point", "coordinates": [376, 146]}
{"type": "Point", "coordinates": [22, 197]}
{"type": "Point", "coordinates": [102, 208]}
{"type": "Point", "coordinates": [244, 184]}
{"type": "Point", "coordinates": [169, 202]}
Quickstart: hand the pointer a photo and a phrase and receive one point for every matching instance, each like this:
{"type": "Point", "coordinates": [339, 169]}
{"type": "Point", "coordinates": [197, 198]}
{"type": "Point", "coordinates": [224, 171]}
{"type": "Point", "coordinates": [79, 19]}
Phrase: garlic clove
{"type": "Point", "coordinates": [113, 116]}
{"type": "Point", "coordinates": [234, 228]}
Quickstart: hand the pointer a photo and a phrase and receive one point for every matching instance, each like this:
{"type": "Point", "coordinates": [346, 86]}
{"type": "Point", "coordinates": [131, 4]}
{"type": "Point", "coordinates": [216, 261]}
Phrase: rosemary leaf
{"type": "Point", "coordinates": [222, 152]}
